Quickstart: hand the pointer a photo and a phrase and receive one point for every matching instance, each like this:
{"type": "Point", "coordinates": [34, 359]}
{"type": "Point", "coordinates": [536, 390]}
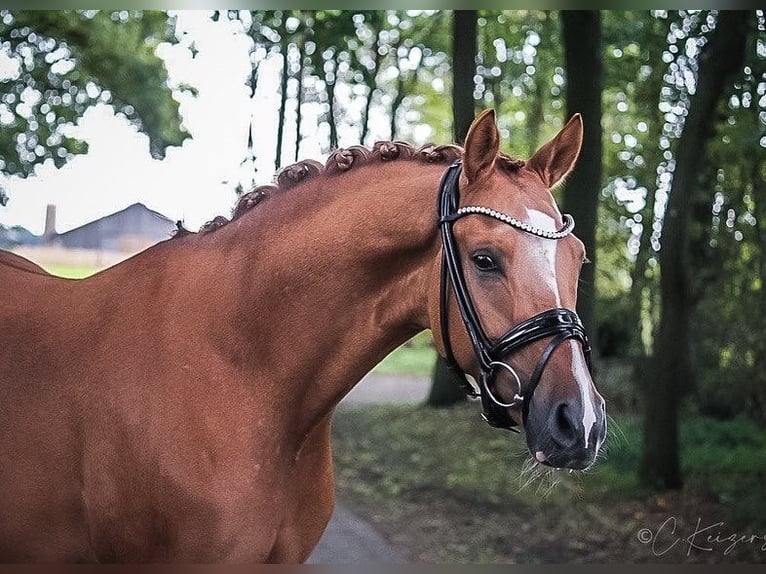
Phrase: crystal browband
{"type": "Point", "coordinates": [510, 220]}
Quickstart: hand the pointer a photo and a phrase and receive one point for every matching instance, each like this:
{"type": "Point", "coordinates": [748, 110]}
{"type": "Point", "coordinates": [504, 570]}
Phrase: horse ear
{"type": "Point", "coordinates": [481, 145]}
{"type": "Point", "coordinates": [557, 158]}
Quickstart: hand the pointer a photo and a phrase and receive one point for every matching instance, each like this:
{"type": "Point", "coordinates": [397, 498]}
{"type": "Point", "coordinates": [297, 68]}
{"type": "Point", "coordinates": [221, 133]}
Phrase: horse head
{"type": "Point", "coordinates": [508, 290]}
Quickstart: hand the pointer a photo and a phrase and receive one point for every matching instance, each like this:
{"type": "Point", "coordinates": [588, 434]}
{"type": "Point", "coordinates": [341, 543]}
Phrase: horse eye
{"type": "Point", "coordinates": [484, 262]}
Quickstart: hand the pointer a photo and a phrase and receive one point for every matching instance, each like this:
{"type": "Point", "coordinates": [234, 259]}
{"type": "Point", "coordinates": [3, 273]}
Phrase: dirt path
{"type": "Point", "coordinates": [376, 388]}
{"type": "Point", "coordinates": [349, 538]}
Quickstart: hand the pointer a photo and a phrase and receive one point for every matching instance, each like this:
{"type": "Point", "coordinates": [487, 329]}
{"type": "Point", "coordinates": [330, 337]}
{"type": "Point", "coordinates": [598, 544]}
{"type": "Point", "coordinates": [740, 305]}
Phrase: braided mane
{"type": "Point", "coordinates": [340, 161]}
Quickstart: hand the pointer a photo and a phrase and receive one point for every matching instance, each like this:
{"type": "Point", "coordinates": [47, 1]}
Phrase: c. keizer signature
{"type": "Point", "coordinates": [703, 538]}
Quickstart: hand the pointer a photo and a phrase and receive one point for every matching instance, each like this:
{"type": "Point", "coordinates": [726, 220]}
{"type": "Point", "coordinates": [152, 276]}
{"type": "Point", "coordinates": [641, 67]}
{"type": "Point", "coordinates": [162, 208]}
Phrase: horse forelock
{"type": "Point", "coordinates": [341, 161]}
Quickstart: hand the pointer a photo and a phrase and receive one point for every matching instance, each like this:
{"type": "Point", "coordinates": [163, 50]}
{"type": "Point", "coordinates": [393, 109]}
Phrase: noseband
{"type": "Point", "coordinates": [561, 324]}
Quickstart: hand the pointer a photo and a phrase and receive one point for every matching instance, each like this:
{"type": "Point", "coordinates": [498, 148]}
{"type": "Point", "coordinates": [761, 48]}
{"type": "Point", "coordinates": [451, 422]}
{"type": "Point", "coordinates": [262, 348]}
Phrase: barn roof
{"type": "Point", "coordinates": [133, 207]}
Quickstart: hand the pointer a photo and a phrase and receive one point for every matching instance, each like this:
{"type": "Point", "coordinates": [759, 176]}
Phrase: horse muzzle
{"type": "Point", "coordinates": [568, 433]}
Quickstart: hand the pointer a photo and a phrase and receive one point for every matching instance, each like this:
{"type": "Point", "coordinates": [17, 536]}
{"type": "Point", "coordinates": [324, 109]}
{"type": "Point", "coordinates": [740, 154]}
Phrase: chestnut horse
{"type": "Point", "coordinates": [177, 406]}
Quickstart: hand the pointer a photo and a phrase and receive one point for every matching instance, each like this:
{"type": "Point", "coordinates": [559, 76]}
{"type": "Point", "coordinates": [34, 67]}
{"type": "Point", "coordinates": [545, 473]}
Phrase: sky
{"type": "Point", "coordinates": [196, 181]}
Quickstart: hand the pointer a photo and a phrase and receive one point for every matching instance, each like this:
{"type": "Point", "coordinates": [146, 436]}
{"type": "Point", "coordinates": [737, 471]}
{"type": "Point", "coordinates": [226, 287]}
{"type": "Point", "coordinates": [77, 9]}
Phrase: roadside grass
{"type": "Point", "coordinates": [415, 357]}
{"type": "Point", "coordinates": [448, 488]}
{"type": "Point", "coordinates": [728, 458]}
{"type": "Point", "coordinates": [69, 271]}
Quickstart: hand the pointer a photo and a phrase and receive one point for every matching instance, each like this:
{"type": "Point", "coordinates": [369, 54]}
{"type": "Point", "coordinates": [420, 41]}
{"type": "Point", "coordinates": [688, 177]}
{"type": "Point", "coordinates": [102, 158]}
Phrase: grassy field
{"type": "Point", "coordinates": [415, 357]}
{"type": "Point", "coordinates": [447, 488]}
{"type": "Point", "coordinates": [69, 271]}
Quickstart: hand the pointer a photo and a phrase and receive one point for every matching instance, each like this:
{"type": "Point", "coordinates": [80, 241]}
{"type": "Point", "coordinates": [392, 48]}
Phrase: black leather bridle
{"type": "Point", "coordinates": [560, 324]}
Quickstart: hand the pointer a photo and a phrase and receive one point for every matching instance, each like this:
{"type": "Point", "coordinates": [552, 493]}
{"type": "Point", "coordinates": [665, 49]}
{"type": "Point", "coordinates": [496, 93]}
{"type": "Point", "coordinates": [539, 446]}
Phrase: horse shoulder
{"type": "Point", "coordinates": [311, 498]}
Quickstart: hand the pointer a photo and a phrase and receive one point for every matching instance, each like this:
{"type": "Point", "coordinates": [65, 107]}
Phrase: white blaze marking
{"type": "Point", "coordinates": [582, 377]}
{"type": "Point", "coordinates": [548, 267]}
{"type": "Point", "coordinates": [547, 271]}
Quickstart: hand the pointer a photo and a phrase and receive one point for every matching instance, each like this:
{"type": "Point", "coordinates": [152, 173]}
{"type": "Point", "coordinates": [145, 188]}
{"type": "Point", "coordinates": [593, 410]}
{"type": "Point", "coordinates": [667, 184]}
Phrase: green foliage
{"type": "Point", "coordinates": [730, 245]}
{"type": "Point", "coordinates": [615, 331]}
{"type": "Point", "coordinates": [727, 458]}
{"type": "Point", "coordinates": [64, 62]}
{"type": "Point", "coordinates": [397, 62]}
{"type": "Point", "coordinates": [650, 58]}
{"type": "Point", "coordinates": [520, 67]}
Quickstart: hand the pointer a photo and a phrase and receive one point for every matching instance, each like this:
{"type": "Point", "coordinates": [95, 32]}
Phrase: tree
{"type": "Point", "coordinates": [415, 40]}
{"type": "Point", "coordinates": [284, 42]}
{"type": "Point", "coordinates": [64, 62]}
{"type": "Point", "coordinates": [583, 52]}
{"type": "Point", "coordinates": [728, 241]}
{"type": "Point", "coordinates": [536, 116]}
{"type": "Point", "coordinates": [369, 59]}
{"type": "Point", "coordinates": [446, 389]}
{"type": "Point", "coordinates": [332, 32]}
{"type": "Point", "coordinates": [464, 47]}
{"type": "Point", "coordinates": [299, 74]}
{"type": "Point", "coordinates": [671, 371]}
{"type": "Point", "coordinates": [649, 77]}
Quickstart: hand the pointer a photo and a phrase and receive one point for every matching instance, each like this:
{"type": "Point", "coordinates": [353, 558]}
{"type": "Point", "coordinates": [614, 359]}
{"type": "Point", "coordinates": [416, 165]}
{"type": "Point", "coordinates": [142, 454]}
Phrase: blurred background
{"type": "Point", "coordinates": [116, 125]}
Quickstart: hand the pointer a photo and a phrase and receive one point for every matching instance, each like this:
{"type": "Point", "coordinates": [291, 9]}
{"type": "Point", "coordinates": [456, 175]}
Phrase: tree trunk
{"type": "Point", "coordinates": [371, 79]}
{"type": "Point", "coordinates": [759, 198]}
{"type": "Point", "coordinates": [244, 186]}
{"type": "Point", "coordinates": [282, 103]}
{"type": "Point", "coordinates": [253, 83]}
{"type": "Point", "coordinates": [399, 97]}
{"type": "Point", "coordinates": [497, 94]}
{"type": "Point", "coordinates": [647, 101]}
{"type": "Point", "coordinates": [464, 47]}
{"type": "Point", "coordinates": [536, 116]}
{"type": "Point", "coordinates": [445, 388]}
{"type": "Point", "coordinates": [671, 371]}
{"type": "Point", "coordinates": [758, 178]}
{"type": "Point", "coordinates": [331, 102]}
{"type": "Point", "coordinates": [582, 46]}
{"type": "Point", "coordinates": [299, 101]}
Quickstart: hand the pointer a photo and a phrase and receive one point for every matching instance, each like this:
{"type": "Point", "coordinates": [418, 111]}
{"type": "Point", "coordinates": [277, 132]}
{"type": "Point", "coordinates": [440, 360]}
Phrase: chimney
{"type": "Point", "coordinates": [50, 224]}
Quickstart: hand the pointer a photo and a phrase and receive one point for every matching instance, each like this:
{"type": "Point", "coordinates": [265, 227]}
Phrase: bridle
{"type": "Point", "coordinates": [561, 324]}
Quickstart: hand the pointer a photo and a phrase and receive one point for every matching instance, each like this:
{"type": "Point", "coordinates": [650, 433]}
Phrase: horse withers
{"type": "Point", "coordinates": [177, 406]}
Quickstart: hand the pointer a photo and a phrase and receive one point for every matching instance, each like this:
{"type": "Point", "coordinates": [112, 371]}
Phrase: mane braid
{"type": "Point", "coordinates": [340, 161]}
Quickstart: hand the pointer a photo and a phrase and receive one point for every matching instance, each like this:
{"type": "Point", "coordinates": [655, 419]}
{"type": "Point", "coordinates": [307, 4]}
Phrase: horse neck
{"type": "Point", "coordinates": [327, 278]}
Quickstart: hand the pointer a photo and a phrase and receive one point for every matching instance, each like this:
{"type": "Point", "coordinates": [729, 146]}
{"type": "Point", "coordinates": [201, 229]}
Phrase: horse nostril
{"type": "Point", "coordinates": [564, 426]}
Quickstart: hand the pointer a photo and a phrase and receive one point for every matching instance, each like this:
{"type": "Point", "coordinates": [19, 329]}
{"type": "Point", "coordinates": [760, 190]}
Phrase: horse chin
{"type": "Point", "coordinates": [545, 452]}
{"type": "Point", "coordinates": [570, 466]}
{"type": "Point", "coordinates": [557, 461]}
